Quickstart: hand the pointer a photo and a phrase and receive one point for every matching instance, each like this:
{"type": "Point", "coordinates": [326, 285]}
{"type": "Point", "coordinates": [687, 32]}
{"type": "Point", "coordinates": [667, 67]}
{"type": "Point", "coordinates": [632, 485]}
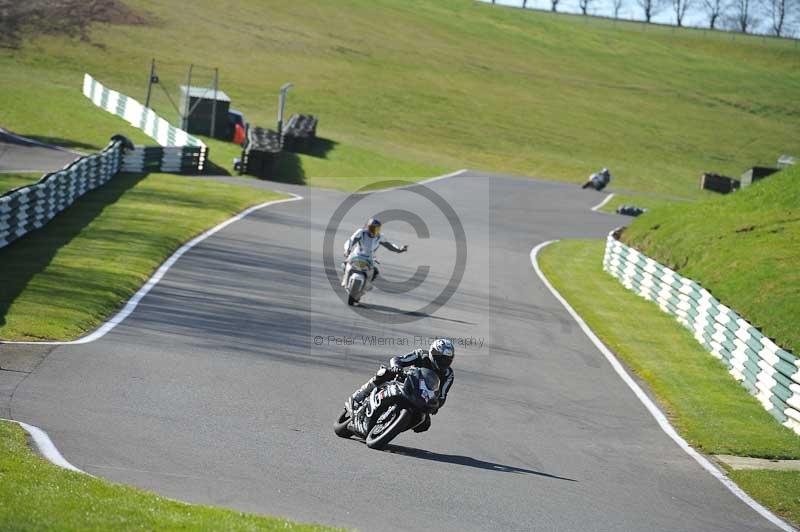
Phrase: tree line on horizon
{"type": "Point", "coordinates": [779, 18]}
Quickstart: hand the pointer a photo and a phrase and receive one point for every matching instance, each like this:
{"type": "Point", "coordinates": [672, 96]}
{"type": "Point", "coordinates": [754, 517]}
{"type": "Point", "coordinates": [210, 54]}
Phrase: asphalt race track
{"type": "Point", "coordinates": [20, 155]}
{"type": "Point", "coordinates": [215, 391]}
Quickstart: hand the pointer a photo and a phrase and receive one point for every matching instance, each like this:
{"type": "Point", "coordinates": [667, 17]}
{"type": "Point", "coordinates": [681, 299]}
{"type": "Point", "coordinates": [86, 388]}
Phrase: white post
{"type": "Point", "coordinates": [281, 104]}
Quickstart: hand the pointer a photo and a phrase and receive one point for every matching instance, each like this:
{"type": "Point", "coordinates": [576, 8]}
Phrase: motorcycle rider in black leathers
{"type": "Point", "coordinates": [438, 358]}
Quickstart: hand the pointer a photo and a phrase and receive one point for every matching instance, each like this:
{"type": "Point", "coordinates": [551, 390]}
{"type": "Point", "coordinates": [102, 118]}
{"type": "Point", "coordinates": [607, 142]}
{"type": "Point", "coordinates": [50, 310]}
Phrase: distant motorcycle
{"type": "Point", "coordinates": [358, 274]}
{"type": "Point", "coordinates": [392, 407]}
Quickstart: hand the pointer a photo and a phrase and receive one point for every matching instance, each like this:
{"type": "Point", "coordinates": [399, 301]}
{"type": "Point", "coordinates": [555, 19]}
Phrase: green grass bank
{"type": "Point", "coordinates": [419, 88]}
{"type": "Point", "coordinates": [705, 404]}
{"type": "Point", "coordinates": [743, 247]}
{"type": "Point", "coordinates": [38, 495]}
{"type": "Point", "coordinates": [63, 280]}
{"type": "Point", "coordinates": [643, 201]}
{"type": "Point", "coordinates": [12, 181]}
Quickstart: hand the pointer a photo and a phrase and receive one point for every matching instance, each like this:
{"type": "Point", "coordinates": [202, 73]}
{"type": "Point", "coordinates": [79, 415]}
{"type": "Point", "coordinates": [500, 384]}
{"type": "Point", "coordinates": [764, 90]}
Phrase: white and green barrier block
{"type": "Point", "coordinates": [30, 207]}
{"type": "Point", "coordinates": [768, 372]}
{"type": "Point", "coordinates": [178, 151]}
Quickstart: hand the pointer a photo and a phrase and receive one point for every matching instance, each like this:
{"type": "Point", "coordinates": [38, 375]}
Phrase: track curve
{"type": "Point", "coordinates": [215, 391]}
{"type": "Point", "coordinates": [23, 155]}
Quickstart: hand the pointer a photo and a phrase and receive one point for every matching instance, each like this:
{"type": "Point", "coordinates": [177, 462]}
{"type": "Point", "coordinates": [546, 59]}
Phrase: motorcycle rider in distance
{"type": "Point", "coordinates": [365, 241]}
{"type": "Point", "coordinates": [438, 358]}
{"type": "Point", "coordinates": [598, 180]}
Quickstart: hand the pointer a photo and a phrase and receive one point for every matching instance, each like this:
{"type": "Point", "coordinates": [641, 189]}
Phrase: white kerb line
{"type": "Point", "coordinates": [46, 446]}
{"type": "Point", "coordinates": [659, 416]}
{"type": "Point", "coordinates": [603, 203]}
{"type": "Point", "coordinates": [412, 183]}
{"type": "Point", "coordinates": [131, 305]}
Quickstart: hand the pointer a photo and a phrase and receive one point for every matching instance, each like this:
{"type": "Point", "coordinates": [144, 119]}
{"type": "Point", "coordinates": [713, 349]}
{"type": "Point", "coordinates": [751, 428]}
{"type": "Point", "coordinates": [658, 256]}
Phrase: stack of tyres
{"type": "Point", "coordinates": [300, 132]}
{"type": "Point", "coordinates": [718, 183]}
{"type": "Point", "coordinates": [261, 152]}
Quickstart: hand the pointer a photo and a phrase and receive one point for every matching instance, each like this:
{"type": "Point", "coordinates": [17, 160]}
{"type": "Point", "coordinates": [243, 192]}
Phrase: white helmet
{"type": "Point", "coordinates": [441, 353]}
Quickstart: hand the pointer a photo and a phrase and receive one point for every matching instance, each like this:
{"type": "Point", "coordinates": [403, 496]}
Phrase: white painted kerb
{"type": "Point", "coordinates": [651, 407]}
{"type": "Point", "coordinates": [46, 446]}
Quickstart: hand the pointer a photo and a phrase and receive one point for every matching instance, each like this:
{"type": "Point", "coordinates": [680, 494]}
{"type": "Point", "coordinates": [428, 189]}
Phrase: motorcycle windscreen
{"type": "Point", "coordinates": [422, 386]}
{"type": "Point", "coordinates": [360, 262]}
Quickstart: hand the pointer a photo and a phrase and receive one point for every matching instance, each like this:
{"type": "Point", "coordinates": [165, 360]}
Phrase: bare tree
{"type": "Point", "coordinates": [584, 4]}
{"type": "Point", "coordinates": [779, 12]}
{"type": "Point", "coordinates": [680, 7]}
{"type": "Point", "coordinates": [617, 5]}
{"type": "Point", "coordinates": [714, 9]}
{"type": "Point", "coordinates": [742, 15]}
{"type": "Point", "coordinates": [59, 17]}
{"type": "Point", "coordinates": [650, 8]}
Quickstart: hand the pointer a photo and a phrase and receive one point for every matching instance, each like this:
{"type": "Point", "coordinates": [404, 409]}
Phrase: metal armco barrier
{"type": "Point", "coordinates": [180, 152]}
{"type": "Point", "coordinates": [27, 208]}
{"type": "Point", "coordinates": [768, 372]}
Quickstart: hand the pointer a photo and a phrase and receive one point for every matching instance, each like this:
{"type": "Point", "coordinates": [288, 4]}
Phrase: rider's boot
{"type": "Point", "coordinates": [362, 393]}
{"type": "Point", "coordinates": [371, 282]}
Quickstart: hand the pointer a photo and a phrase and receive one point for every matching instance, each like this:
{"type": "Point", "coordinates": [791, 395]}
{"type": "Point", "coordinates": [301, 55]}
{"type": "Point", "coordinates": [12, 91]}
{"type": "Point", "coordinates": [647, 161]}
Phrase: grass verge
{"type": "Point", "coordinates": [63, 280]}
{"type": "Point", "coordinates": [709, 409]}
{"type": "Point", "coordinates": [10, 181]}
{"type": "Point", "coordinates": [778, 490]}
{"type": "Point", "coordinates": [645, 202]}
{"type": "Point", "coordinates": [714, 413]}
{"type": "Point", "coordinates": [38, 495]}
{"type": "Point", "coordinates": [744, 248]}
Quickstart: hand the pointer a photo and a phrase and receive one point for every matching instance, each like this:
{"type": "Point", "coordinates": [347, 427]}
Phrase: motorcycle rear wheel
{"type": "Point", "coordinates": [340, 427]}
{"type": "Point", "coordinates": [386, 432]}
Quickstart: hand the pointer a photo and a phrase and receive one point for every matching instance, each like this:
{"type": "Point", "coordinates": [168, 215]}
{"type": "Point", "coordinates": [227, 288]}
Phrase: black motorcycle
{"type": "Point", "coordinates": [392, 407]}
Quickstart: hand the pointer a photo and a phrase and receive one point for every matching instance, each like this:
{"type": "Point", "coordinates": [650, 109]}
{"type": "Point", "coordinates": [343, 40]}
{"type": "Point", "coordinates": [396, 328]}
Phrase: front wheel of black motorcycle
{"type": "Point", "coordinates": [340, 427]}
{"type": "Point", "coordinates": [382, 433]}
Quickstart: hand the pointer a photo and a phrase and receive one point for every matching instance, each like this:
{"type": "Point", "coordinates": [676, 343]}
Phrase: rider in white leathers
{"type": "Point", "coordinates": [365, 241]}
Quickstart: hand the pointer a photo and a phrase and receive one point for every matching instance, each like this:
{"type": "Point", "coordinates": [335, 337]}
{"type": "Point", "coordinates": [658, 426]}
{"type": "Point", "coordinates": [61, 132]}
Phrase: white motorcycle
{"type": "Point", "coordinates": [358, 273]}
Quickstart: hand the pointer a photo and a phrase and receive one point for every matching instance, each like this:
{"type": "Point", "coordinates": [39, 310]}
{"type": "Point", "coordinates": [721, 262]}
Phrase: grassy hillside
{"type": "Point", "coordinates": [415, 88]}
{"type": "Point", "coordinates": [744, 248]}
{"type": "Point", "coordinates": [11, 181]}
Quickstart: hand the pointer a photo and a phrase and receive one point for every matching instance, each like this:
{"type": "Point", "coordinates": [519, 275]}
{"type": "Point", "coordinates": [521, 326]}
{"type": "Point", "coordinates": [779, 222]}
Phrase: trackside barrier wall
{"type": "Point", "coordinates": [768, 372]}
{"type": "Point", "coordinates": [180, 152]}
{"type": "Point", "coordinates": [30, 207]}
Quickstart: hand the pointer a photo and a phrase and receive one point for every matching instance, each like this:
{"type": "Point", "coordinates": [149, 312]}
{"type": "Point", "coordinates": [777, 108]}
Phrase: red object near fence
{"type": "Point", "coordinates": [238, 135]}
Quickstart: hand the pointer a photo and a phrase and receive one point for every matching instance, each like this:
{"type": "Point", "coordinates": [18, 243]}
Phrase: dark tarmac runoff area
{"type": "Point", "coordinates": [223, 385]}
{"type": "Point", "coordinates": [20, 155]}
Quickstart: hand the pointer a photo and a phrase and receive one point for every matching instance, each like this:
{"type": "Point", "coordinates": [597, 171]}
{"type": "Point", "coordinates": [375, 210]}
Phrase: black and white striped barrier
{"type": "Point", "coordinates": [178, 160]}
{"type": "Point", "coordinates": [179, 152]}
{"type": "Point", "coordinates": [768, 372]}
{"type": "Point", "coordinates": [30, 207]}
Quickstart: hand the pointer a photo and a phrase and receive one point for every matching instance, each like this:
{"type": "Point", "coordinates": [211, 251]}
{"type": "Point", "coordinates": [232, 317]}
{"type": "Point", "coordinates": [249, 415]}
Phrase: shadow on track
{"type": "Point", "coordinates": [416, 314]}
{"type": "Point", "coordinates": [467, 461]}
